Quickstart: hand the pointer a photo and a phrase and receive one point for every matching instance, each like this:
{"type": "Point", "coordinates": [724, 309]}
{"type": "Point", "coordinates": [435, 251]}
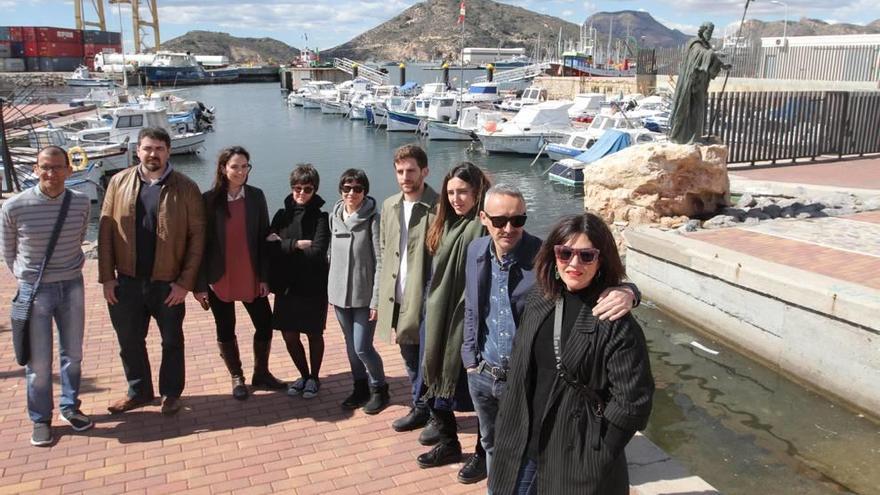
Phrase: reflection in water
{"type": "Point", "coordinates": [741, 426]}
{"type": "Point", "coordinates": [747, 429]}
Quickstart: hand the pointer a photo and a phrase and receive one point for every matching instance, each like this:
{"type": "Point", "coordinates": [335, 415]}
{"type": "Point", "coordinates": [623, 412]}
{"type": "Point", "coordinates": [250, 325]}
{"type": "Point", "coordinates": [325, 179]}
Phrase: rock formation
{"type": "Point", "coordinates": [644, 183]}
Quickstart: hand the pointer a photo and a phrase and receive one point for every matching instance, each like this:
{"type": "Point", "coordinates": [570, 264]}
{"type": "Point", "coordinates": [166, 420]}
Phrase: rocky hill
{"type": "Point", "coordinates": [239, 50]}
{"type": "Point", "coordinates": [806, 27]}
{"type": "Point", "coordinates": [639, 26]}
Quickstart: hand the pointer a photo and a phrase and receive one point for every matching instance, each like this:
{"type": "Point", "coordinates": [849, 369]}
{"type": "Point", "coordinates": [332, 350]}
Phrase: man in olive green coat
{"type": "Point", "coordinates": [403, 268]}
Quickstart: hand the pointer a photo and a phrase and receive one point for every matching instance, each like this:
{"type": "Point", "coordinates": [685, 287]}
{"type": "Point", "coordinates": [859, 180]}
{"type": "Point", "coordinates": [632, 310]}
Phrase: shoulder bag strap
{"type": "Point", "coordinates": [56, 231]}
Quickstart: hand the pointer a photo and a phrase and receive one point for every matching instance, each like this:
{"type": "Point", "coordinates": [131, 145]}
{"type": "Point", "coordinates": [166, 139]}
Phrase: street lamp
{"type": "Point", "coordinates": [785, 25]}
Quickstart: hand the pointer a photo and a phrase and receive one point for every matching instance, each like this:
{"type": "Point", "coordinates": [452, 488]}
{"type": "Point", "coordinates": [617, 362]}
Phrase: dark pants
{"type": "Point", "coordinates": [139, 300]}
{"type": "Point", "coordinates": [224, 317]}
{"type": "Point", "coordinates": [412, 358]}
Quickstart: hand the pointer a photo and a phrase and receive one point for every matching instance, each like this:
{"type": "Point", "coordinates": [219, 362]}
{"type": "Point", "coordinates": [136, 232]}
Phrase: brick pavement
{"type": "Point", "coordinates": [269, 443]}
{"type": "Point", "coordinates": [824, 254]}
{"type": "Point", "coordinates": [863, 173]}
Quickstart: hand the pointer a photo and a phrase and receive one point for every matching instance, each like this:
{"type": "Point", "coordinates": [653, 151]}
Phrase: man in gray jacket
{"type": "Point", "coordinates": [403, 268]}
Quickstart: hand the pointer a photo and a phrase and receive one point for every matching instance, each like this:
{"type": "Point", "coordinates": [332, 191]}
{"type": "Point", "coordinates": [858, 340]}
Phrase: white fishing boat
{"type": "Point", "coordinates": [529, 130]}
{"type": "Point", "coordinates": [570, 171]}
{"type": "Point", "coordinates": [403, 119]}
{"type": "Point", "coordinates": [317, 91]}
{"type": "Point", "coordinates": [469, 120]}
{"type": "Point", "coordinates": [577, 141]}
{"type": "Point", "coordinates": [82, 77]}
{"type": "Point", "coordinates": [586, 106]}
{"type": "Point", "coordinates": [530, 96]}
{"type": "Point", "coordinates": [127, 122]}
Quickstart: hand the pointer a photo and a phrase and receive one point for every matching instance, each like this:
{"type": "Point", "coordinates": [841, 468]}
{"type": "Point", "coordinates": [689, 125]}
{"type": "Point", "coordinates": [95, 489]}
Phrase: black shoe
{"type": "Point", "coordinates": [42, 435]}
{"type": "Point", "coordinates": [239, 389]}
{"type": "Point", "coordinates": [431, 434]}
{"type": "Point", "coordinates": [76, 419]}
{"type": "Point", "coordinates": [267, 381]}
{"type": "Point", "coordinates": [359, 396]}
{"type": "Point", "coordinates": [474, 470]}
{"type": "Point", "coordinates": [417, 418]}
{"type": "Point", "coordinates": [440, 455]}
{"type": "Point", "coordinates": [379, 399]}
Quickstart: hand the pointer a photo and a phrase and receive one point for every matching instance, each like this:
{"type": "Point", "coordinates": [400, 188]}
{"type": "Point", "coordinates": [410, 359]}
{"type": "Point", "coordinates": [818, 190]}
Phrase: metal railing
{"type": "Point", "coordinates": [518, 74]}
{"type": "Point", "coordinates": [368, 73]}
{"type": "Point", "coordinates": [858, 63]}
{"type": "Point", "coordinates": [778, 126]}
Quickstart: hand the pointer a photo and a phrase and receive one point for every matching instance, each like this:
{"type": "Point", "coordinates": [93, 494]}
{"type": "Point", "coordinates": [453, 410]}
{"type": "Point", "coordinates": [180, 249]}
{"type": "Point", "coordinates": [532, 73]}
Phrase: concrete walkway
{"type": "Point", "coordinates": [860, 177]}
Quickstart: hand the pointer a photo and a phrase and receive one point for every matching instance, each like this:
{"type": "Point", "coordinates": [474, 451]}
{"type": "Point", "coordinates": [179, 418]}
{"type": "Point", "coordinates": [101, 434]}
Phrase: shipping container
{"type": "Point", "coordinates": [58, 35]}
{"type": "Point", "coordinates": [52, 64]}
{"type": "Point", "coordinates": [90, 50]}
{"type": "Point", "coordinates": [28, 34]}
{"type": "Point", "coordinates": [101, 37]}
{"type": "Point", "coordinates": [30, 48]}
{"type": "Point", "coordinates": [59, 50]}
{"type": "Point", "coordinates": [5, 34]}
{"type": "Point", "coordinates": [11, 49]}
{"type": "Point", "coordinates": [15, 33]}
{"type": "Point", "coordinates": [12, 65]}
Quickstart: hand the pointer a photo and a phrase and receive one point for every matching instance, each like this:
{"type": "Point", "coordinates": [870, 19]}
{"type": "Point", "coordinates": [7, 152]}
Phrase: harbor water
{"type": "Point", "coordinates": [744, 428]}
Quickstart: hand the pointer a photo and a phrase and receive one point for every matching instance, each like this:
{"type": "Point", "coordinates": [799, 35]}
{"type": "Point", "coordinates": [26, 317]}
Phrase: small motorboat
{"type": "Point", "coordinates": [82, 77]}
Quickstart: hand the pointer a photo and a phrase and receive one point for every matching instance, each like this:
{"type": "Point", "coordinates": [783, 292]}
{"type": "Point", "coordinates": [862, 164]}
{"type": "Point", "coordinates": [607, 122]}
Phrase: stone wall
{"type": "Point", "coordinates": [12, 80]}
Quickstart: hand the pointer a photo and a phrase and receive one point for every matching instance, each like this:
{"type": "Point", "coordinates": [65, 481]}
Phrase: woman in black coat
{"type": "Point", "coordinates": [576, 395]}
{"type": "Point", "coordinates": [237, 221]}
{"type": "Point", "coordinates": [298, 242]}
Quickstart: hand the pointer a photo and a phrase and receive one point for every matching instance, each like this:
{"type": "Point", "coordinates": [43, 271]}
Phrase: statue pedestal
{"type": "Point", "coordinates": [645, 183]}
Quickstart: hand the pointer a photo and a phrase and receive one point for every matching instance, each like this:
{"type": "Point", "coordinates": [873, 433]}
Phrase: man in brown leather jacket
{"type": "Point", "coordinates": [150, 241]}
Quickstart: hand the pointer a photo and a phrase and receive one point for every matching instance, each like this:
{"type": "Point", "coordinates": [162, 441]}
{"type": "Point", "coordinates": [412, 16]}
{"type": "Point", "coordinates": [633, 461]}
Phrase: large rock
{"type": "Point", "coordinates": [644, 183]}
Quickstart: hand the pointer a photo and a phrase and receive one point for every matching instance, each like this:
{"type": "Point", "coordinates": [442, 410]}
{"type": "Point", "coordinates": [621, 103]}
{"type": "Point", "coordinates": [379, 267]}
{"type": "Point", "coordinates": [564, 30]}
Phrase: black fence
{"type": "Point", "coordinates": [778, 126]}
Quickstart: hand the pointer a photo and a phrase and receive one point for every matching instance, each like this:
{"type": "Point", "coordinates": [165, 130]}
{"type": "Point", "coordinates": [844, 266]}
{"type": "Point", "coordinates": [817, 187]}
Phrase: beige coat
{"type": "Point", "coordinates": [418, 266]}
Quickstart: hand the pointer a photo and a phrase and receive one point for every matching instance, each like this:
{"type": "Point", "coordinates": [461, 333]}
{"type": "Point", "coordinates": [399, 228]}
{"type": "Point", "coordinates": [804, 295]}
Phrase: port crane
{"type": "Point", "coordinates": [141, 24]}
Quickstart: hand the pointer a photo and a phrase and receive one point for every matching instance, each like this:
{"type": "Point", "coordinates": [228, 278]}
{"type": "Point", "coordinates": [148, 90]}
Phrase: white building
{"type": "Point", "coordinates": [851, 57]}
{"type": "Point", "coordinates": [489, 55]}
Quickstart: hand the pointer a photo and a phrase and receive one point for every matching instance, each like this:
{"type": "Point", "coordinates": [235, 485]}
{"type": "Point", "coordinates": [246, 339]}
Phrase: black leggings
{"type": "Point", "coordinates": [298, 352]}
{"type": "Point", "coordinates": [224, 317]}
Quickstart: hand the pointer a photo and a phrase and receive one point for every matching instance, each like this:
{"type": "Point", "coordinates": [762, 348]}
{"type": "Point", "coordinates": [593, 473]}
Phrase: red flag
{"type": "Point", "coordinates": [461, 13]}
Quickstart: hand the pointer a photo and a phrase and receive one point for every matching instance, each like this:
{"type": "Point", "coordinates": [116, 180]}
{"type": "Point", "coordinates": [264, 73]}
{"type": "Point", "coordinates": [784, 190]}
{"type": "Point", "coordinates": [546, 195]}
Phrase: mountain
{"type": "Point", "coordinates": [239, 50]}
{"type": "Point", "coordinates": [640, 26]}
{"type": "Point", "coordinates": [428, 30]}
{"type": "Point", "coordinates": [754, 28]}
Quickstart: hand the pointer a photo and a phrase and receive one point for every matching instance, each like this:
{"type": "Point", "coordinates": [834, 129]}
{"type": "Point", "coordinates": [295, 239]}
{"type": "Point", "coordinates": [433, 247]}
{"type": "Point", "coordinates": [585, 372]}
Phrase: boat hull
{"type": "Point", "coordinates": [187, 143]}
{"type": "Point", "coordinates": [441, 131]}
{"type": "Point", "coordinates": [90, 83]}
{"type": "Point", "coordinates": [560, 151]}
{"type": "Point", "coordinates": [564, 174]}
{"type": "Point", "coordinates": [332, 108]}
{"type": "Point", "coordinates": [519, 144]}
{"type": "Point", "coordinates": [402, 122]}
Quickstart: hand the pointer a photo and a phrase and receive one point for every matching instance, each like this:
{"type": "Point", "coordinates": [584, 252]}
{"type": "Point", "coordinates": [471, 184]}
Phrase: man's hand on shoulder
{"type": "Point", "coordinates": [614, 303]}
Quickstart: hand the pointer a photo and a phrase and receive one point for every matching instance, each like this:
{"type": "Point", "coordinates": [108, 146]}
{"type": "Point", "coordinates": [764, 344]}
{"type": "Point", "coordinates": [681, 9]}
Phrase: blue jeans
{"type": "Point", "coordinates": [527, 479]}
{"type": "Point", "coordinates": [411, 361]}
{"type": "Point", "coordinates": [362, 356]}
{"type": "Point", "coordinates": [65, 303]}
{"type": "Point", "coordinates": [486, 393]}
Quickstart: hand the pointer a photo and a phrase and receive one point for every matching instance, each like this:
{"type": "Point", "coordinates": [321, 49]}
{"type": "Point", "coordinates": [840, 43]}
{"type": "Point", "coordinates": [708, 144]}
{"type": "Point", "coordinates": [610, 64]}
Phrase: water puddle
{"type": "Point", "coordinates": [745, 428]}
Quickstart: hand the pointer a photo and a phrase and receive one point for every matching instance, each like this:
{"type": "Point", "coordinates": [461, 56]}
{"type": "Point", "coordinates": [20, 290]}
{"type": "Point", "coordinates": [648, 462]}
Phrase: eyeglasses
{"type": "Point", "coordinates": [586, 256]}
{"type": "Point", "coordinates": [44, 169]}
{"type": "Point", "coordinates": [500, 221]}
{"type": "Point", "coordinates": [303, 189]}
{"type": "Point", "coordinates": [240, 168]}
{"type": "Point", "coordinates": [356, 189]}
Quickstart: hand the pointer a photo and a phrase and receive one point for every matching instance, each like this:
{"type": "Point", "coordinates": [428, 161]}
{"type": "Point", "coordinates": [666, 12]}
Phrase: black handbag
{"type": "Point", "coordinates": [23, 302]}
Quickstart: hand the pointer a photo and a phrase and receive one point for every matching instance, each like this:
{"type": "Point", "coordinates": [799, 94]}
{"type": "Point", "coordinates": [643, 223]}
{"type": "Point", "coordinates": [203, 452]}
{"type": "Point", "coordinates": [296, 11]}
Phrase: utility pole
{"type": "Point", "coordinates": [79, 11]}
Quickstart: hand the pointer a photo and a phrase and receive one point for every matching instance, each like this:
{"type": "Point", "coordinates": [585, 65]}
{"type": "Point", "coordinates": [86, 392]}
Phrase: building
{"type": "Point", "coordinates": [476, 56]}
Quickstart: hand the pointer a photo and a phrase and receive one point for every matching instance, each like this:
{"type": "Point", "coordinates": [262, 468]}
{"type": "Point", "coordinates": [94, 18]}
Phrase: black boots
{"type": "Point", "coordinates": [359, 396]}
{"type": "Point", "coordinates": [379, 399]}
{"type": "Point", "coordinates": [474, 470]}
{"type": "Point", "coordinates": [443, 453]}
{"type": "Point", "coordinates": [262, 378]}
{"type": "Point", "coordinates": [232, 358]}
{"type": "Point", "coordinates": [417, 418]}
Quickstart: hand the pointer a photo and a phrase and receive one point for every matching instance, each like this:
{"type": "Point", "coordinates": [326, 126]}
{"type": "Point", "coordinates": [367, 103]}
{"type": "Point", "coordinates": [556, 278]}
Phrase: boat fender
{"type": "Point", "coordinates": [72, 155]}
{"type": "Point", "coordinates": [181, 129]}
{"type": "Point", "coordinates": [491, 126]}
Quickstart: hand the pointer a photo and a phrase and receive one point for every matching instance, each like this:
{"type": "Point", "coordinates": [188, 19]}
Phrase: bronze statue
{"type": "Point", "coordinates": [700, 65]}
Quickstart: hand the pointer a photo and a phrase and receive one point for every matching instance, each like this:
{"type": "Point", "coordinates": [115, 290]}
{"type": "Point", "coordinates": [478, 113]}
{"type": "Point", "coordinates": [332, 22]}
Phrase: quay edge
{"type": "Point", "coordinates": [819, 331]}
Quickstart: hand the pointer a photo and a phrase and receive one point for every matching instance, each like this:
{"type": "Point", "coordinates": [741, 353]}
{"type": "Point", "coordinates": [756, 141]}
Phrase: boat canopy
{"type": "Point", "coordinates": [483, 89]}
{"type": "Point", "coordinates": [547, 113]}
{"type": "Point", "coordinates": [409, 86]}
{"type": "Point", "coordinates": [610, 142]}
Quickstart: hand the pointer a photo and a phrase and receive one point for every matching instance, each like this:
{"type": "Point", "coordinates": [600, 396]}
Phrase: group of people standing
{"type": "Point", "coordinates": [533, 335]}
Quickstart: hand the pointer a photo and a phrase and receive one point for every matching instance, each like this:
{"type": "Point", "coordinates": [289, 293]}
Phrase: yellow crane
{"type": "Point", "coordinates": [141, 25]}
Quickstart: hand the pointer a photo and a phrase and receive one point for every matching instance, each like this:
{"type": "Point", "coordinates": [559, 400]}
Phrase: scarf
{"type": "Point", "coordinates": [444, 308]}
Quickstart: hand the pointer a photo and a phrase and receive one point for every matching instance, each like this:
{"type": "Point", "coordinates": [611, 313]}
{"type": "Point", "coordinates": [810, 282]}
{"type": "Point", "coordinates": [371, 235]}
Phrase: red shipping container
{"type": "Point", "coordinates": [91, 49]}
{"type": "Point", "coordinates": [59, 35]}
{"type": "Point", "coordinates": [59, 50]}
{"type": "Point", "coordinates": [16, 34]}
{"type": "Point", "coordinates": [30, 48]}
{"type": "Point", "coordinates": [90, 62]}
{"type": "Point", "coordinates": [28, 34]}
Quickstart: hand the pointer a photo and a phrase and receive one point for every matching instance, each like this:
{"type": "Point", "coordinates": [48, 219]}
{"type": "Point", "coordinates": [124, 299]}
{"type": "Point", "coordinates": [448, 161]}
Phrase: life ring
{"type": "Point", "coordinates": [72, 153]}
{"type": "Point", "coordinates": [490, 126]}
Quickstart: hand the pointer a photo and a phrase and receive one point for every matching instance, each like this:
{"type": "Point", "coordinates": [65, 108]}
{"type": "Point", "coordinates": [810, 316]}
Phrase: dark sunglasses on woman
{"type": "Point", "coordinates": [500, 221]}
{"type": "Point", "coordinates": [586, 256]}
{"type": "Point", "coordinates": [347, 189]}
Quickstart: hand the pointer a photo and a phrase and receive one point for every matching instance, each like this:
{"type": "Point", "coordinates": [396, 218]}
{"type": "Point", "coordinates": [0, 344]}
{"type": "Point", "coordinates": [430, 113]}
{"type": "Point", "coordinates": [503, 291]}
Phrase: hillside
{"type": "Point", "coordinates": [639, 25]}
{"type": "Point", "coordinates": [239, 50]}
{"type": "Point", "coordinates": [806, 27]}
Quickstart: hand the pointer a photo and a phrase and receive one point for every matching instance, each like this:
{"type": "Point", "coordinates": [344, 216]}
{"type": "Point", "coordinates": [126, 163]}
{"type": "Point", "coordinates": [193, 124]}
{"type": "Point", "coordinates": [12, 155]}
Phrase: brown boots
{"type": "Point", "coordinates": [232, 358]}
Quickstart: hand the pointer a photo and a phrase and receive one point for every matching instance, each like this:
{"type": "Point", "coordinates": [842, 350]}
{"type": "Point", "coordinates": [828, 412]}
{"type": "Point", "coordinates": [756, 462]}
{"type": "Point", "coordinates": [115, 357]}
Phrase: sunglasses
{"type": "Point", "coordinates": [500, 221]}
{"type": "Point", "coordinates": [356, 189]}
{"type": "Point", "coordinates": [303, 189]}
{"type": "Point", "coordinates": [586, 256]}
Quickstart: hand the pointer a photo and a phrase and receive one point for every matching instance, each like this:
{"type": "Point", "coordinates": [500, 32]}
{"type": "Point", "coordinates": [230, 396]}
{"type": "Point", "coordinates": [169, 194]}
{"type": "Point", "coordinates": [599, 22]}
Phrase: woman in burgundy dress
{"type": "Point", "coordinates": [237, 226]}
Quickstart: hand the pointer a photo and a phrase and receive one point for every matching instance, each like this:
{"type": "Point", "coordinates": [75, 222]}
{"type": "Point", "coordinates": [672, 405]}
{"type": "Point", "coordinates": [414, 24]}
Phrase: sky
{"type": "Point", "coordinates": [327, 23]}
